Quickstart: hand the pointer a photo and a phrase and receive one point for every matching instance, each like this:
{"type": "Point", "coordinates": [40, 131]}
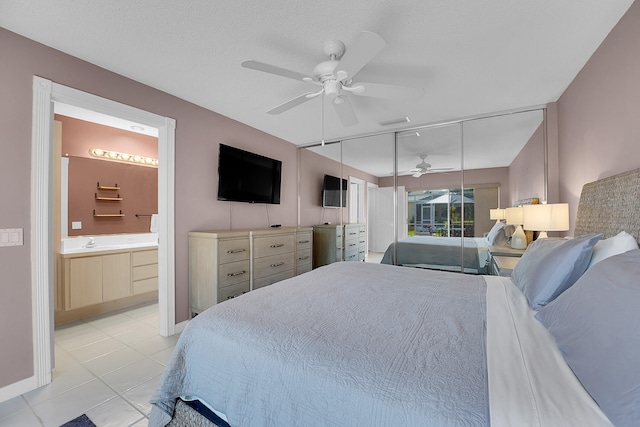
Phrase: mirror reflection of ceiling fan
{"type": "Point", "coordinates": [335, 76]}
{"type": "Point", "coordinates": [424, 167]}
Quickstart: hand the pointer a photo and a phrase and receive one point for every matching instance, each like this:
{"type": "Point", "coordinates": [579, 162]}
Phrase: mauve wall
{"type": "Point", "coordinates": [138, 191]}
{"type": "Point", "coordinates": [198, 134]}
{"type": "Point", "coordinates": [138, 184]}
{"type": "Point", "coordinates": [599, 113]}
{"type": "Point", "coordinates": [526, 172]}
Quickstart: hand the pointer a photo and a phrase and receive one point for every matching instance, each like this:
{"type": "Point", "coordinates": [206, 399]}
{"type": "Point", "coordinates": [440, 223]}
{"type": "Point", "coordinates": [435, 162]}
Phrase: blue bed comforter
{"type": "Point", "coordinates": [344, 345]}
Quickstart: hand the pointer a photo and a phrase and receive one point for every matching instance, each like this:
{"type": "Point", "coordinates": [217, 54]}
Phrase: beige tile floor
{"type": "Point", "coordinates": [106, 367]}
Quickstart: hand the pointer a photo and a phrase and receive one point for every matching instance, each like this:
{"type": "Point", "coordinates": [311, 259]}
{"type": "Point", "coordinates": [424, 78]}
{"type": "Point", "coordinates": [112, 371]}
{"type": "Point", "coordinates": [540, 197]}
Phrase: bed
{"type": "Point", "coordinates": [441, 253]}
{"type": "Point", "coordinates": [374, 344]}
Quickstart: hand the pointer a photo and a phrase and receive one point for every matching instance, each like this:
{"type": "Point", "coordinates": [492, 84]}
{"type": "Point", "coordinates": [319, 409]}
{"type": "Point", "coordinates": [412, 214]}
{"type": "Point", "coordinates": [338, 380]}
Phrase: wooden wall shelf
{"type": "Point", "coordinates": [111, 215]}
{"type": "Point", "coordinates": [109, 199]}
{"type": "Point", "coordinates": [108, 187]}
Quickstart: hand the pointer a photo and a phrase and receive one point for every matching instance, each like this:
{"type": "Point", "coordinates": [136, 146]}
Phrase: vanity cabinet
{"type": "Point", "coordinates": [224, 264]}
{"type": "Point", "coordinates": [101, 281]}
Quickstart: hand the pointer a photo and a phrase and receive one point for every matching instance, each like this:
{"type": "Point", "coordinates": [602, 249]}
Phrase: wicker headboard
{"type": "Point", "coordinates": [610, 205]}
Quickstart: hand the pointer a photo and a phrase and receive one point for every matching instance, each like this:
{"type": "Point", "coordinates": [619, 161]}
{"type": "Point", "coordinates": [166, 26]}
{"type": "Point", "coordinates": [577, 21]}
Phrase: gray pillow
{"type": "Point", "coordinates": [596, 324]}
{"type": "Point", "coordinates": [549, 266]}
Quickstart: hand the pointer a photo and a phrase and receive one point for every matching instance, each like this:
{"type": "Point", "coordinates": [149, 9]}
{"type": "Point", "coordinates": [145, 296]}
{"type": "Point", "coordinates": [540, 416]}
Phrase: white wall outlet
{"type": "Point", "coordinates": [76, 225]}
{"type": "Point", "coordinates": [11, 237]}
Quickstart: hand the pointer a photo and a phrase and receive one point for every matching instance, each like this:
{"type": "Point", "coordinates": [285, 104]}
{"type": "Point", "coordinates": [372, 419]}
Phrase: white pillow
{"type": "Point", "coordinates": [622, 242]}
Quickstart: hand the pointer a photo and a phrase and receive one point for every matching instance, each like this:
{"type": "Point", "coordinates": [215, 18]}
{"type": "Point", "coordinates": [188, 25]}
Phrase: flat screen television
{"type": "Point", "coordinates": [334, 192]}
{"type": "Point", "coordinates": [248, 177]}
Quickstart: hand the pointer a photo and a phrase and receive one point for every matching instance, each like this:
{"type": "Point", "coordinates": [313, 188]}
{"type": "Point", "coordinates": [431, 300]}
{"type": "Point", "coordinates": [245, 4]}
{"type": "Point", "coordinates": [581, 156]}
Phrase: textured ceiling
{"type": "Point", "coordinates": [471, 57]}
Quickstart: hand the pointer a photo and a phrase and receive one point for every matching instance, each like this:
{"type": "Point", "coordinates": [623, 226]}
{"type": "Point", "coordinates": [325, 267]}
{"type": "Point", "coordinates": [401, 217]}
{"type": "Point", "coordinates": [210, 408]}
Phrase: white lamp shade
{"type": "Point", "coordinates": [514, 216]}
{"type": "Point", "coordinates": [551, 217]}
{"type": "Point", "coordinates": [497, 214]}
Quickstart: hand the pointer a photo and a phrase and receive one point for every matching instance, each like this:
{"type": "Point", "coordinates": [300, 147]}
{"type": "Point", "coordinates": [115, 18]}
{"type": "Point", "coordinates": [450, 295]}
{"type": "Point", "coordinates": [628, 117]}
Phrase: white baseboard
{"type": "Point", "coordinates": [180, 326]}
{"type": "Point", "coordinates": [16, 389]}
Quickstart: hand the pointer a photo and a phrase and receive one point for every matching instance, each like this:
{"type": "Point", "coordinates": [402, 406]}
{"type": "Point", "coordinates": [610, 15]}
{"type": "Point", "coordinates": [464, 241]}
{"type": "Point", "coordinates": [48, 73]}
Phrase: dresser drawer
{"type": "Point", "coordinates": [303, 257]}
{"type": "Point", "coordinates": [303, 241]}
{"type": "Point", "coordinates": [233, 272]}
{"type": "Point", "coordinates": [267, 266]}
{"type": "Point", "coordinates": [233, 291]}
{"type": "Point", "coordinates": [231, 250]}
{"type": "Point", "coordinates": [268, 280]}
{"type": "Point", "coordinates": [273, 245]}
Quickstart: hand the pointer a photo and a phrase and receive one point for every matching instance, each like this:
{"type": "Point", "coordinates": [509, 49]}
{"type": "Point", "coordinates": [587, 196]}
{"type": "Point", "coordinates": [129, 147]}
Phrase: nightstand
{"type": "Point", "coordinates": [503, 265]}
{"type": "Point", "coordinates": [506, 265]}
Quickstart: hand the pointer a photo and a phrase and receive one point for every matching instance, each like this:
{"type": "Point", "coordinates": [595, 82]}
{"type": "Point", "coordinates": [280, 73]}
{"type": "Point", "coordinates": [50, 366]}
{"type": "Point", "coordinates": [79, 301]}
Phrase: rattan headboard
{"type": "Point", "coordinates": [610, 205]}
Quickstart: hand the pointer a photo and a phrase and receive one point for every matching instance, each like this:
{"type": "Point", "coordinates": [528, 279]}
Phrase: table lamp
{"type": "Point", "coordinates": [497, 214]}
{"type": "Point", "coordinates": [518, 238]}
{"type": "Point", "coordinates": [546, 217]}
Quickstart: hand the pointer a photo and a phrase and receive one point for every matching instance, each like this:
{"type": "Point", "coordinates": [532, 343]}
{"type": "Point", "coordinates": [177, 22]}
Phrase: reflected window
{"type": "Point", "coordinates": [439, 212]}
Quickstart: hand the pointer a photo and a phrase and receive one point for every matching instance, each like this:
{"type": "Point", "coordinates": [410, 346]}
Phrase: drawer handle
{"type": "Point", "coordinates": [235, 251]}
{"type": "Point", "coordinates": [278, 264]}
{"type": "Point", "coordinates": [236, 295]}
{"type": "Point", "coordinates": [353, 234]}
{"type": "Point", "coordinates": [237, 273]}
{"type": "Point", "coordinates": [277, 245]}
{"type": "Point", "coordinates": [303, 241]}
{"type": "Point", "coordinates": [303, 257]}
{"type": "Point", "coordinates": [353, 244]}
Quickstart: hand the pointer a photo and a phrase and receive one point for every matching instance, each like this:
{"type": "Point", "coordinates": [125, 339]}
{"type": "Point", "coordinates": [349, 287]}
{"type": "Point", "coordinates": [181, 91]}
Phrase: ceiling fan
{"type": "Point", "coordinates": [335, 76]}
{"type": "Point", "coordinates": [424, 167]}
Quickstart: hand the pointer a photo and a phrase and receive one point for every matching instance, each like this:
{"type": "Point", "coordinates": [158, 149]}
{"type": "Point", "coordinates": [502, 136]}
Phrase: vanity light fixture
{"type": "Point", "coordinates": [123, 157]}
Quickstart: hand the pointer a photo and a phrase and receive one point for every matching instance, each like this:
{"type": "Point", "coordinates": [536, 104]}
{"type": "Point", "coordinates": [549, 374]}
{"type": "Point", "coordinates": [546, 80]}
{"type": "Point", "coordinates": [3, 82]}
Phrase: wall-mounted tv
{"type": "Point", "coordinates": [248, 177]}
{"type": "Point", "coordinates": [334, 192]}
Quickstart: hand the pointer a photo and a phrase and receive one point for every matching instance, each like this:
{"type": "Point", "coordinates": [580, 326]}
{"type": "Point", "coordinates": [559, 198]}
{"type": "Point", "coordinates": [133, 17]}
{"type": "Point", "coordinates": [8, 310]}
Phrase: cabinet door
{"type": "Point", "coordinates": [84, 282]}
{"type": "Point", "coordinates": [116, 276]}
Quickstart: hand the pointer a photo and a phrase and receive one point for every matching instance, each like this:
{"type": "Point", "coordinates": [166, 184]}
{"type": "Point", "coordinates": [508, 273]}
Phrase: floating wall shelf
{"type": "Point", "coordinates": [111, 215]}
{"type": "Point", "coordinates": [108, 187]}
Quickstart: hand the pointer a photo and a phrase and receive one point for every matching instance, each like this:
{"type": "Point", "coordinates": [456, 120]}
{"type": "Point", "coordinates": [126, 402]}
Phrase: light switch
{"type": "Point", "coordinates": [76, 225]}
{"type": "Point", "coordinates": [11, 237]}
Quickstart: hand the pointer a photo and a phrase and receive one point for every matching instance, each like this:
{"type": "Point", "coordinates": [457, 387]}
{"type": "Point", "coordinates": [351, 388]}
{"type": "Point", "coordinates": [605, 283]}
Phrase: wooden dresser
{"type": "Point", "coordinates": [335, 243]}
{"type": "Point", "coordinates": [224, 264]}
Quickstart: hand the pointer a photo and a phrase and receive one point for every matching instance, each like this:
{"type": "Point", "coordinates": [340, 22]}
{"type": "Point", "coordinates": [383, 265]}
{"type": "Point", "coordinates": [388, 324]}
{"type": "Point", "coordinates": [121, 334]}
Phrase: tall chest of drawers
{"type": "Point", "coordinates": [227, 263]}
{"type": "Point", "coordinates": [335, 243]}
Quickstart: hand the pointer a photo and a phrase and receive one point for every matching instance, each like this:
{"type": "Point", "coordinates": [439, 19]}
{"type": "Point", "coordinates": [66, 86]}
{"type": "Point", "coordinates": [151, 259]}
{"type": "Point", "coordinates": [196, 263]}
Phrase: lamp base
{"type": "Point", "coordinates": [542, 235]}
{"type": "Point", "coordinates": [519, 239]}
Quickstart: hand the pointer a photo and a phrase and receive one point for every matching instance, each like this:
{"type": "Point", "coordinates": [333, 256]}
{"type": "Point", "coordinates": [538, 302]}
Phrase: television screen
{"type": "Point", "coordinates": [248, 177]}
{"type": "Point", "coordinates": [332, 191]}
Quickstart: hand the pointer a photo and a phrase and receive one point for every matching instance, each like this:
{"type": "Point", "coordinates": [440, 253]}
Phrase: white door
{"type": "Point", "coordinates": [382, 218]}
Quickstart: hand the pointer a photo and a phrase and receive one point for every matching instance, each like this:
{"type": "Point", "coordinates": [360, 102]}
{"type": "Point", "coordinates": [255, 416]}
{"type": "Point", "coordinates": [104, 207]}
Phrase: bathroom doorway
{"type": "Point", "coordinates": [45, 94]}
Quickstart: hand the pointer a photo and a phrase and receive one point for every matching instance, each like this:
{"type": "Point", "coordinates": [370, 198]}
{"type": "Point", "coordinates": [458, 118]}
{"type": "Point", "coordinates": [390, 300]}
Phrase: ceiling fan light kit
{"type": "Point", "coordinates": [336, 74]}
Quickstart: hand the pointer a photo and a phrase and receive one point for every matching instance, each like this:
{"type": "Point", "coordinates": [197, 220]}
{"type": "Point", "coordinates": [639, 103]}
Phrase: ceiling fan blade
{"type": "Point", "coordinates": [291, 103]}
{"type": "Point", "coordinates": [363, 49]}
{"type": "Point", "coordinates": [345, 111]}
{"type": "Point", "coordinates": [387, 91]}
{"type": "Point", "coordinates": [440, 169]}
{"type": "Point", "coordinates": [417, 174]}
{"type": "Point", "coordinates": [272, 69]}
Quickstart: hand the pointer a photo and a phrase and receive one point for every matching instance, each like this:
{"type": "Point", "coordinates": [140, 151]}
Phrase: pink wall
{"type": "Point", "coordinates": [599, 113]}
{"type": "Point", "coordinates": [138, 190]}
{"type": "Point", "coordinates": [198, 134]}
{"type": "Point", "coordinates": [526, 172]}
